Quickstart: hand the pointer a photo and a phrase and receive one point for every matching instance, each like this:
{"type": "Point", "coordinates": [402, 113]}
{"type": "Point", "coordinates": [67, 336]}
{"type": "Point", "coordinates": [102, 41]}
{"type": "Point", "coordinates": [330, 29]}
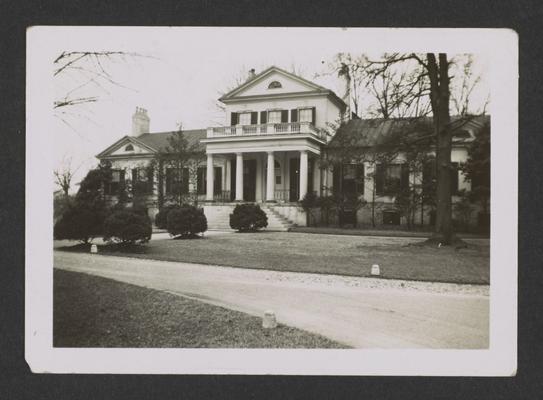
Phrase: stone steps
{"type": "Point", "coordinates": [218, 217]}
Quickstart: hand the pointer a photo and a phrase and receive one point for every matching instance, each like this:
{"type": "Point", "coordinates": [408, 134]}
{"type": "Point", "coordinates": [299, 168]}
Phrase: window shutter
{"type": "Point", "coordinates": [254, 118]}
{"type": "Point", "coordinates": [263, 117]}
{"type": "Point", "coordinates": [404, 184]}
{"type": "Point", "coordinates": [294, 115]}
{"type": "Point", "coordinates": [360, 179]}
{"type": "Point", "coordinates": [379, 178]}
{"type": "Point", "coordinates": [284, 115]}
{"type": "Point", "coordinates": [313, 115]}
{"type": "Point", "coordinates": [233, 119]}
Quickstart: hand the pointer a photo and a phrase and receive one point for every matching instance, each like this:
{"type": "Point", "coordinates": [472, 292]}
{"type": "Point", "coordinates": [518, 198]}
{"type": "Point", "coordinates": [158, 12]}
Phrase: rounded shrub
{"type": "Point", "coordinates": [161, 218]}
{"type": "Point", "coordinates": [127, 226]}
{"type": "Point", "coordinates": [248, 217]}
{"type": "Point", "coordinates": [79, 222]}
{"type": "Point", "coordinates": [186, 221]}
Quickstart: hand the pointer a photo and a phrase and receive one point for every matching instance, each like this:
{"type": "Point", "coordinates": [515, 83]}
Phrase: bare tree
{"type": "Point", "coordinates": [64, 175]}
{"type": "Point", "coordinates": [429, 79]}
{"type": "Point", "coordinates": [83, 78]}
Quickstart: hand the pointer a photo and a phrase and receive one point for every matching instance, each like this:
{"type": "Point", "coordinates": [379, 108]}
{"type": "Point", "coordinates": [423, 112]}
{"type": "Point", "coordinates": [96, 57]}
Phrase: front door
{"type": "Point", "coordinates": [294, 178]}
{"type": "Point", "coordinates": [249, 180]}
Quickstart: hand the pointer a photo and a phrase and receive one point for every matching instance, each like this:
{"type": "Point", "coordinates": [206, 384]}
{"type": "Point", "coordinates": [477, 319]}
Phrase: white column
{"type": "Point", "coordinates": [303, 173]}
{"type": "Point", "coordinates": [270, 178]}
{"type": "Point", "coordinates": [239, 176]}
{"type": "Point", "coordinates": [209, 177]}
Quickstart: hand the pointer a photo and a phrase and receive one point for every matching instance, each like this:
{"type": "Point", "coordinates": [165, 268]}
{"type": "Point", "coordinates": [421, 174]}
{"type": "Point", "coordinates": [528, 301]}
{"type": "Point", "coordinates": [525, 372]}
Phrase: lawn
{"type": "Point", "coordinates": [90, 311]}
{"type": "Point", "coordinates": [327, 254]}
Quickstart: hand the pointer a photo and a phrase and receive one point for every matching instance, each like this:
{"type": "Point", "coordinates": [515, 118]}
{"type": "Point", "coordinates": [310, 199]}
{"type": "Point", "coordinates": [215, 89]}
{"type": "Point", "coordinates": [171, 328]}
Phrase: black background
{"type": "Point", "coordinates": [525, 17]}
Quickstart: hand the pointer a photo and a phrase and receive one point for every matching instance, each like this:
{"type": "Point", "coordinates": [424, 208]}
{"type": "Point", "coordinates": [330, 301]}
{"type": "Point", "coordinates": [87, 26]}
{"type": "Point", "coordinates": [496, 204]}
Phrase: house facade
{"type": "Point", "coordinates": [276, 129]}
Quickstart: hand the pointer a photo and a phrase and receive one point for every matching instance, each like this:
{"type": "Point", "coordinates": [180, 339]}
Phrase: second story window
{"type": "Point", "coordinates": [306, 115]}
{"type": "Point", "coordinates": [274, 117]}
{"type": "Point", "coordinates": [244, 118]}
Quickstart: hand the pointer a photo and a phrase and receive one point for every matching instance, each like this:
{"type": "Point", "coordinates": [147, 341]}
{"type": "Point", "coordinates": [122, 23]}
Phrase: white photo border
{"type": "Point", "coordinates": [501, 48]}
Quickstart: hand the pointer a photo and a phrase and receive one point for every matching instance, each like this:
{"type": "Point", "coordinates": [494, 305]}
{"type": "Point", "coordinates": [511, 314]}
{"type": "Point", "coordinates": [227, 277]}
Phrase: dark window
{"type": "Point", "coordinates": [202, 180]}
{"type": "Point", "coordinates": [353, 179]}
{"type": "Point", "coordinates": [142, 180]}
{"type": "Point", "coordinates": [391, 217]}
{"type": "Point", "coordinates": [275, 85]}
{"type": "Point", "coordinates": [117, 178]}
{"type": "Point", "coordinates": [177, 183]}
{"type": "Point", "coordinates": [129, 148]}
{"type": "Point", "coordinates": [391, 178]}
{"type": "Point", "coordinates": [294, 115]}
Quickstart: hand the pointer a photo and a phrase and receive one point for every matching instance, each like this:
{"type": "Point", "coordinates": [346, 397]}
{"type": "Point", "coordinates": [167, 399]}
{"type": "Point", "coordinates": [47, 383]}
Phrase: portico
{"type": "Point", "coordinates": [262, 176]}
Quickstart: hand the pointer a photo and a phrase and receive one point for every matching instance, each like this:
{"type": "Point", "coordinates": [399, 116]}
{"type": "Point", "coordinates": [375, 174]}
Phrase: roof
{"type": "Point", "coordinates": [372, 132]}
{"type": "Point", "coordinates": [159, 140]}
{"type": "Point", "coordinates": [156, 142]}
{"type": "Point", "coordinates": [316, 88]}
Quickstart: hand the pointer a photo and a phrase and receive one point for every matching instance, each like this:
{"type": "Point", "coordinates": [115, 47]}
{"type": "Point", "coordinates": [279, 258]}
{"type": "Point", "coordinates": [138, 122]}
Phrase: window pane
{"type": "Point", "coordinates": [244, 119]}
{"type": "Point", "coordinates": [274, 117]}
{"type": "Point", "coordinates": [306, 115]}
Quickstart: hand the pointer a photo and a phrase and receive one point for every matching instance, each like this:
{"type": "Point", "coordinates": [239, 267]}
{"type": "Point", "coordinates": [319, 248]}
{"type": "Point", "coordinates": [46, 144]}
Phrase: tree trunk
{"type": "Point", "coordinates": [439, 96]}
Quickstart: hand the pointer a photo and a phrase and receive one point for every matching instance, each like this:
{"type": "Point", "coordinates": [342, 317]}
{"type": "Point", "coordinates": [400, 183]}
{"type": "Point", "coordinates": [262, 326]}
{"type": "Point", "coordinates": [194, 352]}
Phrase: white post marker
{"type": "Point", "coordinates": [375, 270]}
{"type": "Point", "coordinates": [94, 249]}
{"type": "Point", "coordinates": [269, 321]}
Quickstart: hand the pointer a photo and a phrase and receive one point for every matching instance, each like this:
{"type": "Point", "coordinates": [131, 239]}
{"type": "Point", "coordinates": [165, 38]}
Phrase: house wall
{"type": "Point", "coordinates": [325, 110]}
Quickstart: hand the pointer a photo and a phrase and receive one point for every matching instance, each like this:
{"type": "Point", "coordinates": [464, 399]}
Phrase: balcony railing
{"type": "Point", "coordinates": [284, 128]}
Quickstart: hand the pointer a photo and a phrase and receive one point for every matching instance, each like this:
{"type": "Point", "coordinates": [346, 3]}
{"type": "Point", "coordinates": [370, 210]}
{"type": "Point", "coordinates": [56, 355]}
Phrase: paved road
{"type": "Point", "coordinates": [361, 312]}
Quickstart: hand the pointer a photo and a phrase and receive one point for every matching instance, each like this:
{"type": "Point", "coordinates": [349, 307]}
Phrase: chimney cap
{"type": "Point", "coordinates": [252, 73]}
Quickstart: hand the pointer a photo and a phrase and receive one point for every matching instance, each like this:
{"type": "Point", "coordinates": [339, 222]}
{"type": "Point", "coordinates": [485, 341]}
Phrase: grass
{"type": "Point", "coordinates": [327, 254]}
{"type": "Point", "coordinates": [90, 311]}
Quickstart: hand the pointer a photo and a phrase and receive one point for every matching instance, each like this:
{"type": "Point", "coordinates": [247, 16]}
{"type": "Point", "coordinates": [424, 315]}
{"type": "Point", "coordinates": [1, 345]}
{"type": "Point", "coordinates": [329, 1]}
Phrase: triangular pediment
{"type": "Point", "coordinates": [273, 81]}
{"type": "Point", "coordinates": [126, 146]}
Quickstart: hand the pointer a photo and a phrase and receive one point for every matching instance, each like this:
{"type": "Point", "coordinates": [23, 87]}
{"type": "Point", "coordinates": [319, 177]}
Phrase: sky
{"type": "Point", "coordinates": [179, 73]}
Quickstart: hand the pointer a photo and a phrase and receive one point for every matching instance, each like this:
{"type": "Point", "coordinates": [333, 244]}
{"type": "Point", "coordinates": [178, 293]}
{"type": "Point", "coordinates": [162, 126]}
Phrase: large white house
{"type": "Point", "coordinates": [276, 127]}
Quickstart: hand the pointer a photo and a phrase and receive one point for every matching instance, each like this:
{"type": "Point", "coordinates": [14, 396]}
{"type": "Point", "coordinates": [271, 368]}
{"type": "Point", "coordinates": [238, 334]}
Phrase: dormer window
{"type": "Point", "coordinates": [129, 148]}
{"type": "Point", "coordinates": [275, 85]}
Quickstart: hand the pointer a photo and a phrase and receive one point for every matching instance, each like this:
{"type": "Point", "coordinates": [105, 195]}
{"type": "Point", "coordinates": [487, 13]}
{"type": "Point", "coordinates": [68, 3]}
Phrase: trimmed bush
{"type": "Point", "coordinates": [248, 217]}
{"type": "Point", "coordinates": [161, 218]}
{"type": "Point", "coordinates": [127, 226]}
{"type": "Point", "coordinates": [186, 221]}
{"type": "Point", "coordinates": [79, 222]}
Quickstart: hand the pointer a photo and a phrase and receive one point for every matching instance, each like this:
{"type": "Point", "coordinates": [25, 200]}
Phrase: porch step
{"type": "Point", "coordinates": [218, 217]}
{"type": "Point", "coordinates": [276, 221]}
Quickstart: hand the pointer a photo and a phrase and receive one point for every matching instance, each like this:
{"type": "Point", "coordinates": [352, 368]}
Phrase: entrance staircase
{"type": "Point", "coordinates": [276, 221]}
{"type": "Point", "coordinates": [218, 218]}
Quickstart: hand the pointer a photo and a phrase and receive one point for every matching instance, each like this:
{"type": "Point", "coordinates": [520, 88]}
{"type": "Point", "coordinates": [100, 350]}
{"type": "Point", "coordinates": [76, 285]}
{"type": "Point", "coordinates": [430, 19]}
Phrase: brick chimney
{"type": "Point", "coordinates": [252, 74]}
{"type": "Point", "coordinates": [140, 122]}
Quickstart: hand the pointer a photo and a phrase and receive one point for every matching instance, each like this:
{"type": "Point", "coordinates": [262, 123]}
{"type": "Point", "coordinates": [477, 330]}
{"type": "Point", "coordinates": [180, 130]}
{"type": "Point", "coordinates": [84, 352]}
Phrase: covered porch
{"type": "Point", "coordinates": [261, 176]}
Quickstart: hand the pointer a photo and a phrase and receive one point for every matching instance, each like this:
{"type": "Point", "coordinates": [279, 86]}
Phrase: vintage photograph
{"type": "Point", "coordinates": [269, 188]}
